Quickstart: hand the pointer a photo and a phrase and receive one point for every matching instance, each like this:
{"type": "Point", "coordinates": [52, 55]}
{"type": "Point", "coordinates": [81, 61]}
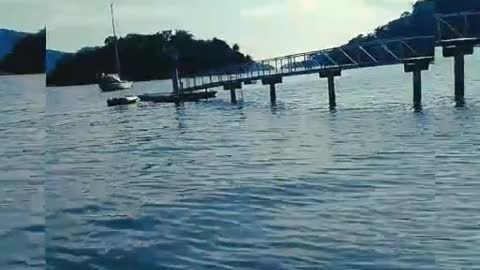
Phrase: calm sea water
{"type": "Point", "coordinates": [211, 185]}
{"type": "Point", "coordinates": [22, 172]}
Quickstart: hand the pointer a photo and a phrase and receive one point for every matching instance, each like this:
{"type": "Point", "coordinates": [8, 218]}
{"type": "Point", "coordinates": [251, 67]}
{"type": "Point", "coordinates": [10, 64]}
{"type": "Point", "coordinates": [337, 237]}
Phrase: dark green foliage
{"type": "Point", "coordinates": [8, 40]}
{"type": "Point", "coordinates": [420, 22]}
{"type": "Point", "coordinates": [454, 6]}
{"type": "Point", "coordinates": [147, 57]}
{"type": "Point", "coordinates": [53, 57]}
{"type": "Point", "coordinates": [28, 56]}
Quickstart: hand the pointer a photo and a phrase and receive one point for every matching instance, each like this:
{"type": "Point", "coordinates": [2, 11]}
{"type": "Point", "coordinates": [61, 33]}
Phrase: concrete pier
{"type": "Point", "coordinates": [458, 49]}
{"type": "Point", "coordinates": [232, 87]}
{"type": "Point", "coordinates": [331, 74]}
{"type": "Point", "coordinates": [272, 81]}
{"type": "Point", "coordinates": [332, 98]}
{"type": "Point", "coordinates": [459, 70]}
{"type": "Point", "coordinates": [416, 66]}
{"type": "Point", "coordinates": [273, 94]}
{"type": "Point", "coordinates": [417, 89]}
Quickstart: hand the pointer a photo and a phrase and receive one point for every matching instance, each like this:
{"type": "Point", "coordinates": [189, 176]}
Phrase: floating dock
{"type": "Point", "coordinates": [178, 98]}
{"type": "Point", "coordinates": [168, 98]}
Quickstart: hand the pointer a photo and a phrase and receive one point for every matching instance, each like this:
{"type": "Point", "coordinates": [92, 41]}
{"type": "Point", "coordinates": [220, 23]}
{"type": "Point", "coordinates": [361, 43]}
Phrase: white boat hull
{"type": "Point", "coordinates": [115, 86]}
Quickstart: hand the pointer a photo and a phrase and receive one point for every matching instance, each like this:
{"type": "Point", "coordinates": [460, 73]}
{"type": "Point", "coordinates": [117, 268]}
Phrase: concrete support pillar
{"type": "Point", "coordinates": [272, 81]}
{"type": "Point", "coordinates": [273, 94]}
{"type": "Point", "coordinates": [416, 66]}
{"type": "Point", "coordinates": [330, 74]}
{"type": "Point", "coordinates": [233, 96]}
{"type": "Point", "coordinates": [331, 92]}
{"type": "Point", "coordinates": [417, 89]}
{"type": "Point", "coordinates": [459, 78]}
{"type": "Point", "coordinates": [458, 48]}
{"type": "Point", "coordinates": [232, 87]}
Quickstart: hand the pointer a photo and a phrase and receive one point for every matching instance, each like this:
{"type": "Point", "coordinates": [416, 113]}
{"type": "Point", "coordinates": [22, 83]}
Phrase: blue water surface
{"type": "Point", "coordinates": [211, 185]}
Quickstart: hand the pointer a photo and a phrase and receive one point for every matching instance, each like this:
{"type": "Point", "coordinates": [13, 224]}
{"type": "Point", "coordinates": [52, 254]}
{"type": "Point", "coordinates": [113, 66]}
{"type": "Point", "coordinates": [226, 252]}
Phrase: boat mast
{"type": "Point", "coordinates": [117, 57]}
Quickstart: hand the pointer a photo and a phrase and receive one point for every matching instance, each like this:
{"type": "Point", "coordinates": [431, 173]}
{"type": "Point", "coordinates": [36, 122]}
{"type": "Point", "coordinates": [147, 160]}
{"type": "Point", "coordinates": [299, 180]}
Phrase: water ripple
{"type": "Point", "coordinates": [209, 185]}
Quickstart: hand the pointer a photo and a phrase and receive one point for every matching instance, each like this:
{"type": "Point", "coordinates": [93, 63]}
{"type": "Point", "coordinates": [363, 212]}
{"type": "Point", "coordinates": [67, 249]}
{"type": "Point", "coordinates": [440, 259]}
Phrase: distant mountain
{"type": "Point", "coordinates": [28, 55]}
{"type": "Point", "coordinates": [53, 58]}
{"type": "Point", "coordinates": [8, 40]}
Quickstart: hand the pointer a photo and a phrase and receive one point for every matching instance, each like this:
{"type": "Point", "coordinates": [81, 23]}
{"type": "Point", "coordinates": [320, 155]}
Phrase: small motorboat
{"type": "Point", "coordinates": [123, 101]}
{"type": "Point", "coordinates": [112, 82]}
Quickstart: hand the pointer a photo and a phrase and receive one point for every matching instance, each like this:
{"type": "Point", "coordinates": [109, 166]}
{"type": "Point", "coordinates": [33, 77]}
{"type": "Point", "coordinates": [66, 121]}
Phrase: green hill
{"type": "Point", "coordinates": [420, 21]}
{"type": "Point", "coordinates": [146, 57]}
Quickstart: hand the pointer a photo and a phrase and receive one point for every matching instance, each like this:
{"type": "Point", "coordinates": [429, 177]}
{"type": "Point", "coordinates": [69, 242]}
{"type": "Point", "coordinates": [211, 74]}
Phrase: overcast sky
{"type": "Point", "coordinates": [262, 28]}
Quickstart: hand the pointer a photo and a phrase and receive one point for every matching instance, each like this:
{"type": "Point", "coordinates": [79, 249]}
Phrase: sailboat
{"type": "Point", "coordinates": [113, 82]}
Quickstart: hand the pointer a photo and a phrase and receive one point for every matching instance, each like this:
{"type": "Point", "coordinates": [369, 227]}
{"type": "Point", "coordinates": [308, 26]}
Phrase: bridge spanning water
{"type": "Point", "coordinates": [458, 34]}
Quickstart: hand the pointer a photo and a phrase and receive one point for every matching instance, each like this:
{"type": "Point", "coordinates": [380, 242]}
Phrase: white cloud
{"type": "Point", "coordinates": [270, 10]}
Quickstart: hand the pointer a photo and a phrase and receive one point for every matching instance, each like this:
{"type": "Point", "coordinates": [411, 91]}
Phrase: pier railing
{"type": "Point", "coordinates": [451, 27]}
{"type": "Point", "coordinates": [378, 53]}
{"type": "Point", "coordinates": [458, 35]}
{"type": "Point", "coordinates": [458, 26]}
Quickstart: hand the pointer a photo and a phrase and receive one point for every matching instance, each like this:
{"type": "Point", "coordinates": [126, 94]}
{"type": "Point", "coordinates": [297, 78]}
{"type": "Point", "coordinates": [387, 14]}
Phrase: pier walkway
{"type": "Point", "coordinates": [458, 34]}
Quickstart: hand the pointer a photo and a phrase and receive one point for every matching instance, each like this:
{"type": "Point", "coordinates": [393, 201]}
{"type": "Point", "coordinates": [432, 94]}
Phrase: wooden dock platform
{"type": "Point", "coordinates": [179, 98]}
{"type": "Point", "coordinates": [163, 98]}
